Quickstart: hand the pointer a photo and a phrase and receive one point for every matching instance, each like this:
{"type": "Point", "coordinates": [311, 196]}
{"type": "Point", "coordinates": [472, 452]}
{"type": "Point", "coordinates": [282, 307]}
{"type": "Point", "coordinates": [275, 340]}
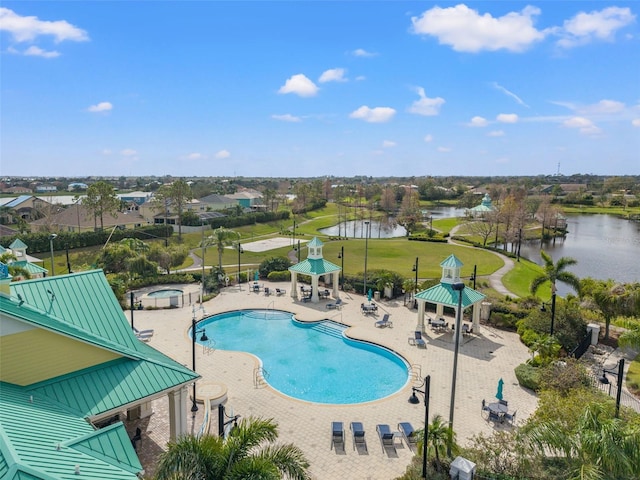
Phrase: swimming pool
{"type": "Point", "coordinates": [169, 292]}
{"type": "Point", "coordinates": [310, 361]}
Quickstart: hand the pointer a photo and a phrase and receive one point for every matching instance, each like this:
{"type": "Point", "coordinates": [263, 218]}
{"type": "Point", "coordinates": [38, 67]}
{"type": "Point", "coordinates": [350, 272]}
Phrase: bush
{"type": "Point", "coordinates": [283, 276]}
{"type": "Point", "coordinates": [273, 264]}
{"type": "Point", "coordinates": [528, 376]}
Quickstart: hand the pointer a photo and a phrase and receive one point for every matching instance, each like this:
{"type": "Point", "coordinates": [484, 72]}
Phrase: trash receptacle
{"type": "Point", "coordinates": [462, 469]}
{"type": "Point", "coordinates": [595, 332]}
{"type": "Point", "coordinates": [376, 296]}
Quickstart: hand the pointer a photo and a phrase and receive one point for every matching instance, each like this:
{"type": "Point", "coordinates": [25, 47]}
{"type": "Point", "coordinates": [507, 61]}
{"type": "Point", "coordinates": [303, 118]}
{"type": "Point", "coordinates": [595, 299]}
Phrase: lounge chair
{"type": "Point", "coordinates": [510, 417]}
{"type": "Point", "coordinates": [386, 437]}
{"type": "Point", "coordinates": [337, 435]}
{"type": "Point", "coordinates": [143, 335]}
{"type": "Point", "coordinates": [280, 291]}
{"type": "Point", "coordinates": [267, 292]}
{"type": "Point", "coordinates": [418, 340]}
{"type": "Point", "coordinates": [409, 434]}
{"type": "Point", "coordinates": [337, 304]}
{"type": "Point", "coordinates": [357, 429]}
{"type": "Point", "coordinates": [385, 322]}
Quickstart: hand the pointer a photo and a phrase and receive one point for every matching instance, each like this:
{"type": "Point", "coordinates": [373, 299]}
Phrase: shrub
{"type": "Point", "coordinates": [273, 264]}
{"type": "Point", "coordinates": [282, 276]}
{"type": "Point", "coordinates": [528, 376]}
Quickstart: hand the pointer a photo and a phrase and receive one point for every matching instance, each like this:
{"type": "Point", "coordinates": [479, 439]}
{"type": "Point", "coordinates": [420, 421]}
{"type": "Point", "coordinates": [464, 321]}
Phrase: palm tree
{"type": "Point", "coordinates": [248, 452]}
{"type": "Point", "coordinates": [598, 447]}
{"type": "Point", "coordinates": [221, 238]}
{"type": "Point", "coordinates": [555, 272]}
{"type": "Point", "coordinates": [615, 299]}
{"type": "Point", "coordinates": [439, 437]}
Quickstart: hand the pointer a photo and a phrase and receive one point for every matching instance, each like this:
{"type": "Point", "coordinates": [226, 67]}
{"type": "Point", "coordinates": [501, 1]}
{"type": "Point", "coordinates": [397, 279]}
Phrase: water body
{"type": "Point", "coordinates": [358, 229]}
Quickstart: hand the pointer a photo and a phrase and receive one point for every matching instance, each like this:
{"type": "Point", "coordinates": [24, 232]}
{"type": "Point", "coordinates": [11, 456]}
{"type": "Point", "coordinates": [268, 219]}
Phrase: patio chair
{"type": "Point", "coordinates": [357, 429]}
{"type": "Point", "coordinates": [386, 437]}
{"type": "Point", "coordinates": [385, 322]}
{"type": "Point", "coordinates": [337, 435]}
{"type": "Point", "coordinates": [419, 341]}
{"type": "Point", "coordinates": [267, 292]}
{"type": "Point", "coordinates": [337, 304]}
{"type": "Point", "coordinates": [136, 438]}
{"type": "Point", "coordinates": [503, 402]}
{"type": "Point", "coordinates": [510, 417]}
{"type": "Point", "coordinates": [409, 434]}
{"type": "Point", "coordinates": [280, 291]}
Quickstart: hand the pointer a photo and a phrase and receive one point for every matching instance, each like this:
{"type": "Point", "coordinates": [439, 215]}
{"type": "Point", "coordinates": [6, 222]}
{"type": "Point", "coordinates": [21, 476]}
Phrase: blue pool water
{"type": "Point", "coordinates": [312, 362]}
{"type": "Point", "coordinates": [169, 292]}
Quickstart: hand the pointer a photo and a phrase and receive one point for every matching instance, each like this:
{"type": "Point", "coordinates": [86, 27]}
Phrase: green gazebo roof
{"type": "Point", "coordinates": [444, 294]}
{"type": "Point", "coordinates": [318, 266]}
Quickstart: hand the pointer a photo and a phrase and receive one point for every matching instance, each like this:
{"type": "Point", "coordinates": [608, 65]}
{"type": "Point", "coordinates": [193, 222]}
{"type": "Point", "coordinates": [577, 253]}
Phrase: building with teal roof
{"type": "Point", "coordinates": [18, 249]}
{"type": "Point", "coordinates": [484, 208]}
{"type": "Point", "coordinates": [443, 295]}
{"type": "Point", "coordinates": [70, 364]}
{"type": "Point", "coordinates": [316, 267]}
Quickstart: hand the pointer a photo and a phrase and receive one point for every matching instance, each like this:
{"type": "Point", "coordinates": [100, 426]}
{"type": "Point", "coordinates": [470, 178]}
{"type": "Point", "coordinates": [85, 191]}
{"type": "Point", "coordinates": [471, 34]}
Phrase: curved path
{"type": "Point", "coordinates": [495, 279]}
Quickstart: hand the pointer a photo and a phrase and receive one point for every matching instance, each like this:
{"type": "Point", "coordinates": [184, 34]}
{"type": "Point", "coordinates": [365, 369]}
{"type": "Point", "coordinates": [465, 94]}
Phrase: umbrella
{"type": "Point", "coordinates": [369, 293]}
{"type": "Point", "coordinates": [499, 392]}
{"type": "Point", "coordinates": [256, 276]}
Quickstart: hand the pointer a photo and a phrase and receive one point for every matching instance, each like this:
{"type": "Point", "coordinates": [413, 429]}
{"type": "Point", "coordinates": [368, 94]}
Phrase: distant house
{"type": "Point", "coordinates": [77, 186]}
{"type": "Point", "coordinates": [77, 218]}
{"type": "Point", "coordinates": [136, 197]}
{"type": "Point", "coordinates": [27, 207]}
{"type": "Point", "coordinates": [217, 202]}
{"type": "Point", "coordinates": [247, 198]}
{"type": "Point", "coordinates": [17, 190]}
{"type": "Point", "coordinates": [43, 188]}
{"type": "Point", "coordinates": [72, 369]}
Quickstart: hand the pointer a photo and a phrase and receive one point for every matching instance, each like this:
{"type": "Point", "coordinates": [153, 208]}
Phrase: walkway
{"type": "Point", "coordinates": [484, 358]}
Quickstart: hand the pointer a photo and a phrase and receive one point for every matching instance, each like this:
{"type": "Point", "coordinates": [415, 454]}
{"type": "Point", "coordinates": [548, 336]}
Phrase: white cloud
{"type": "Point", "coordinates": [426, 106]}
{"type": "Point", "coordinates": [300, 85]}
{"type": "Point", "coordinates": [603, 106]}
{"type": "Point", "coordinates": [466, 30]}
{"type": "Point", "coordinates": [495, 133]}
{"type": "Point", "coordinates": [34, 51]}
{"type": "Point", "coordinates": [360, 52]}
{"type": "Point", "coordinates": [223, 154]}
{"type": "Point", "coordinates": [509, 94]}
{"type": "Point", "coordinates": [195, 156]}
{"type": "Point", "coordinates": [287, 117]}
{"type": "Point", "coordinates": [586, 27]}
{"type": "Point", "coordinates": [26, 29]}
{"type": "Point", "coordinates": [444, 149]}
{"type": "Point", "coordinates": [373, 115]}
{"type": "Point", "coordinates": [478, 122]}
{"type": "Point", "coordinates": [635, 122]}
{"type": "Point", "coordinates": [333, 75]}
{"type": "Point", "coordinates": [507, 118]}
{"type": "Point", "coordinates": [100, 107]}
{"type": "Point", "coordinates": [428, 138]}
{"type": "Point", "coordinates": [584, 125]}
{"type": "Point", "coordinates": [128, 152]}
{"type": "Point", "coordinates": [388, 144]}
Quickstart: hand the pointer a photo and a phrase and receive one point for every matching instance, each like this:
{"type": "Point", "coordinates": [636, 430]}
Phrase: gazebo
{"type": "Point", "coordinates": [315, 266]}
{"type": "Point", "coordinates": [443, 294]}
{"type": "Point", "coordinates": [485, 207]}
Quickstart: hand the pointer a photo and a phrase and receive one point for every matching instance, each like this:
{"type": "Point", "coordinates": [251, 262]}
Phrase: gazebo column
{"type": "Point", "coordinates": [294, 285]}
{"type": "Point", "coordinates": [335, 280]}
{"type": "Point", "coordinates": [178, 413]}
{"type": "Point", "coordinates": [421, 311]}
{"type": "Point", "coordinates": [439, 310]}
{"type": "Point", "coordinates": [314, 289]}
{"type": "Point", "coordinates": [475, 316]}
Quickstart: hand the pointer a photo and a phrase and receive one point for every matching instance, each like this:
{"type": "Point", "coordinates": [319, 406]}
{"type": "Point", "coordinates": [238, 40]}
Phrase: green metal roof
{"type": "Point", "coordinates": [42, 440]}
{"type": "Point", "coordinates": [318, 266]}
{"type": "Point", "coordinates": [444, 294]}
{"type": "Point", "coordinates": [32, 268]}
{"type": "Point", "coordinates": [17, 244]}
{"type": "Point", "coordinates": [315, 242]}
{"type": "Point", "coordinates": [451, 261]}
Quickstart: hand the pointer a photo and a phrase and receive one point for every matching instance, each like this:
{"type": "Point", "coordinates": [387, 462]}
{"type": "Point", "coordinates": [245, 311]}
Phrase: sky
{"type": "Point", "coordinates": [316, 88]}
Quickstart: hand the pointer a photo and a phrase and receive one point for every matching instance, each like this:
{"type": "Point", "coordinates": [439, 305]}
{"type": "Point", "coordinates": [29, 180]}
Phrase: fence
{"type": "Point", "coordinates": [611, 388]}
{"type": "Point", "coordinates": [582, 347]}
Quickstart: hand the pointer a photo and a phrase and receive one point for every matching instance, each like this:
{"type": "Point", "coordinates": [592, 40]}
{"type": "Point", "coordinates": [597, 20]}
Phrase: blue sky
{"type": "Point", "coordinates": [307, 89]}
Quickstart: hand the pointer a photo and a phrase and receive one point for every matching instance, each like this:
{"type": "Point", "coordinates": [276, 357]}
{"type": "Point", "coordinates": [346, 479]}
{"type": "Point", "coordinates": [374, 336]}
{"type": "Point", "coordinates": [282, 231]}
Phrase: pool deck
{"type": "Point", "coordinates": [484, 358]}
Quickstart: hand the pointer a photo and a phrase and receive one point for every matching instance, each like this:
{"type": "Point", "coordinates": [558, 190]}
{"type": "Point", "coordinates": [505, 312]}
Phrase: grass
{"type": "Point", "coordinates": [445, 224]}
{"type": "Point", "coordinates": [518, 279]}
{"type": "Point", "coordinates": [624, 212]}
{"type": "Point", "coordinates": [633, 376]}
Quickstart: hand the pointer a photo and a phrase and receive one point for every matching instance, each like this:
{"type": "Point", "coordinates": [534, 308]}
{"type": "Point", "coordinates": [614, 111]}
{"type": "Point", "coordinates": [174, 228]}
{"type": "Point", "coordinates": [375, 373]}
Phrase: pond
{"type": "Point", "coordinates": [358, 229]}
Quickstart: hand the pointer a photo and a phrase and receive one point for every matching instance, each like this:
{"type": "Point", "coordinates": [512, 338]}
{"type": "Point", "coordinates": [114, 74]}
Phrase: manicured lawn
{"type": "Point", "coordinates": [519, 279]}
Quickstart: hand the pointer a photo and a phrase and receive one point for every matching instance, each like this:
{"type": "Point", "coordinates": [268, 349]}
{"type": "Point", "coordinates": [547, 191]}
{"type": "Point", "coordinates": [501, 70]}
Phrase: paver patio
{"type": "Point", "coordinates": [484, 358]}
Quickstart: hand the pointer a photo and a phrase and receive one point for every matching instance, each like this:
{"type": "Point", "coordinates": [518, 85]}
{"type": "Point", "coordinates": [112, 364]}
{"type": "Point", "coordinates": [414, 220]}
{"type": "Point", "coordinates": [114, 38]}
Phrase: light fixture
{"type": "Point", "coordinates": [458, 287]}
{"type": "Point", "coordinates": [413, 399]}
{"type": "Point", "coordinates": [203, 338]}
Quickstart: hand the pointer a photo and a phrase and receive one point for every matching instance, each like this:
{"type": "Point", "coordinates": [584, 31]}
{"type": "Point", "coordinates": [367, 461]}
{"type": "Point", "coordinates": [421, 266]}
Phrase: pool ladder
{"type": "Point", "coordinates": [260, 376]}
{"type": "Point", "coordinates": [415, 371]}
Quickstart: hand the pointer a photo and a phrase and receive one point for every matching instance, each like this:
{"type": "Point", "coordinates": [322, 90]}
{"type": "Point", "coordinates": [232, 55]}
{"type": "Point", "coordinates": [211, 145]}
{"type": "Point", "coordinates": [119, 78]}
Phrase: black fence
{"type": "Point", "coordinates": [582, 347]}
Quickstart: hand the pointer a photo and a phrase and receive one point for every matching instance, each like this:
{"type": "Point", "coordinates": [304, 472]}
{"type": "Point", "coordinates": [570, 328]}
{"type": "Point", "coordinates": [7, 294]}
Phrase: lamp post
{"type": "Point", "coordinates": [473, 277]}
{"type": "Point", "coordinates": [293, 244]}
{"type": "Point", "coordinates": [203, 338]}
{"type": "Point", "coordinates": [414, 400]}
{"type": "Point", "coordinates": [619, 379]}
{"type": "Point", "coordinates": [66, 246]}
{"type": "Point", "coordinates": [239, 248]}
{"type": "Point", "coordinates": [51, 238]}
{"type": "Point", "coordinates": [458, 287]}
{"type": "Point", "coordinates": [366, 251]}
{"type": "Point", "coordinates": [415, 286]}
{"type": "Point", "coordinates": [341, 256]}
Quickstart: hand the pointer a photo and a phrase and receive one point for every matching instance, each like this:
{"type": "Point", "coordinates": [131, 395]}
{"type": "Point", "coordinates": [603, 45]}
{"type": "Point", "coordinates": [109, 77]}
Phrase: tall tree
{"type": "Point", "coordinates": [555, 272]}
{"type": "Point", "coordinates": [248, 453]}
{"type": "Point", "coordinates": [175, 196]}
{"type": "Point", "coordinates": [101, 200]}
